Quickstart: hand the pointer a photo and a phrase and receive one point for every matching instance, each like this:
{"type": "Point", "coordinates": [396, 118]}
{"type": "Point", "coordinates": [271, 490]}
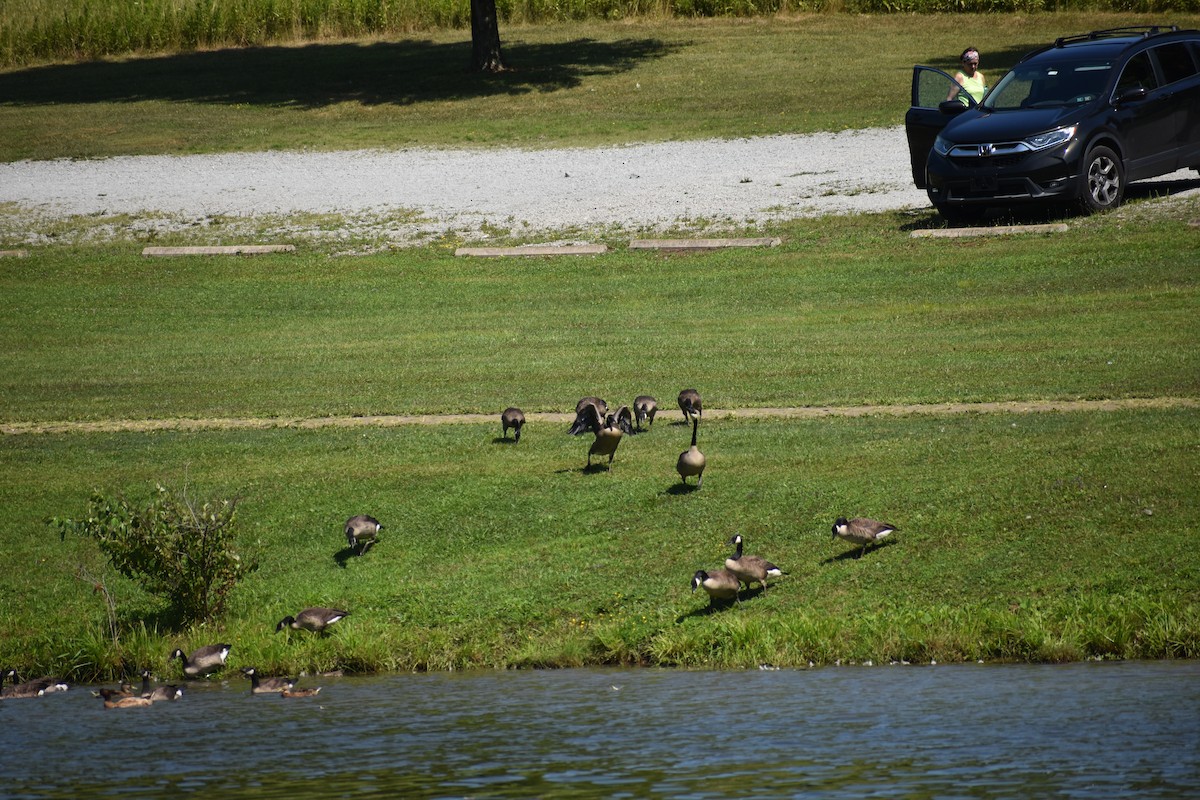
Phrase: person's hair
{"type": "Point", "coordinates": [963, 57]}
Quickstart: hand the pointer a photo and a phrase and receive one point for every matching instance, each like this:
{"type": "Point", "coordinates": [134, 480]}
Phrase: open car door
{"type": "Point", "coordinates": [928, 113]}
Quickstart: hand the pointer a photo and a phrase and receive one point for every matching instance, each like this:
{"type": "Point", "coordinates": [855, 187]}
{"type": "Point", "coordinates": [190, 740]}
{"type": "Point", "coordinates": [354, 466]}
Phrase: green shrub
{"type": "Point", "coordinates": [175, 548]}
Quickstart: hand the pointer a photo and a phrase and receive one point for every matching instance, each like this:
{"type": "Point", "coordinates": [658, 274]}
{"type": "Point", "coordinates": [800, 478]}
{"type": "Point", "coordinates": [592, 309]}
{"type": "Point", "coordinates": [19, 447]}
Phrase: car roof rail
{"type": "Point", "coordinates": [1144, 31]}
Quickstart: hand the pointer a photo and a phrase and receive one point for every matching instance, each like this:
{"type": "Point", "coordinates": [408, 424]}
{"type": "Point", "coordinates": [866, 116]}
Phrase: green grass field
{"type": "Point", "coordinates": [1048, 536]}
{"type": "Point", "coordinates": [583, 84]}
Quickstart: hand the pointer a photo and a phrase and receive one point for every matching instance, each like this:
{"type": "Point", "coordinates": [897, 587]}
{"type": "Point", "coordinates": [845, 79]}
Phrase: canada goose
{"type": "Point", "coordinates": [608, 437]}
{"type": "Point", "coordinates": [362, 531]}
{"type": "Point", "coordinates": [692, 461]}
{"type": "Point", "coordinates": [267, 685]}
{"type": "Point", "coordinates": [624, 419]}
{"type": "Point", "coordinates": [721, 584]}
{"type": "Point", "coordinates": [644, 409]}
{"type": "Point", "coordinates": [861, 531]}
{"type": "Point", "coordinates": [157, 694]}
{"type": "Point", "coordinates": [690, 405]}
{"type": "Point", "coordinates": [301, 692]}
{"type": "Point", "coordinates": [165, 692]}
{"type": "Point", "coordinates": [750, 569]}
{"type": "Point", "coordinates": [514, 418]}
{"type": "Point", "coordinates": [584, 421]}
{"type": "Point", "coordinates": [128, 702]}
{"type": "Point", "coordinates": [312, 619]}
{"type": "Point", "coordinates": [204, 661]}
{"type": "Point", "coordinates": [37, 687]}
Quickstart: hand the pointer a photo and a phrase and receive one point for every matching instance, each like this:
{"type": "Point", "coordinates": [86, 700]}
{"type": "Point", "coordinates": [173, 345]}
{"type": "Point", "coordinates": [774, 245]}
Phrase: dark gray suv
{"type": "Point", "coordinates": [1074, 121]}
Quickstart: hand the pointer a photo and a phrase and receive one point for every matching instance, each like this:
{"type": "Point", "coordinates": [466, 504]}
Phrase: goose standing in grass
{"type": "Point", "coordinates": [750, 569]}
{"type": "Point", "coordinates": [644, 409]}
{"type": "Point", "coordinates": [361, 532]}
{"type": "Point", "coordinates": [692, 461]}
{"type": "Point", "coordinates": [204, 661]}
{"type": "Point", "coordinates": [608, 436]}
{"type": "Point", "coordinates": [514, 418]}
{"type": "Point", "coordinates": [267, 685]}
{"type": "Point", "coordinates": [861, 531]}
{"type": "Point", "coordinates": [690, 404]}
{"type": "Point", "coordinates": [316, 619]}
{"type": "Point", "coordinates": [584, 419]}
{"type": "Point", "coordinates": [721, 585]}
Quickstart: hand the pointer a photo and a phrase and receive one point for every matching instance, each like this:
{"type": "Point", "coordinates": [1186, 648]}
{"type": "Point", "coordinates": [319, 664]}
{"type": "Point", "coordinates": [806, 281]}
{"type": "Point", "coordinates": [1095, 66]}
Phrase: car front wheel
{"type": "Point", "coordinates": [1103, 180]}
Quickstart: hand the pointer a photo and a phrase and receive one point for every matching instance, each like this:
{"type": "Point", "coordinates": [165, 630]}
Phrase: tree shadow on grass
{"type": "Point", "coordinates": [319, 75]}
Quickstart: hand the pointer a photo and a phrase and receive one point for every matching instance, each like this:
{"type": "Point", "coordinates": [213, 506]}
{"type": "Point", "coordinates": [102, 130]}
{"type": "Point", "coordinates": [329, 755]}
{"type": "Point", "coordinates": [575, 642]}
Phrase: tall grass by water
{"type": "Point", "coordinates": [41, 30]}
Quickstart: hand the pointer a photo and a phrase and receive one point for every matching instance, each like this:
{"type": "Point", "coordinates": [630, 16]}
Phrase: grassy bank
{"type": "Point", "coordinates": [1044, 537]}
{"type": "Point", "coordinates": [577, 83]}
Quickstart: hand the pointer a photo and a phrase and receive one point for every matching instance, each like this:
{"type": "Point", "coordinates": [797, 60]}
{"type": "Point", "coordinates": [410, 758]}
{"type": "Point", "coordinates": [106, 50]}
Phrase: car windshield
{"type": "Point", "coordinates": [1045, 85]}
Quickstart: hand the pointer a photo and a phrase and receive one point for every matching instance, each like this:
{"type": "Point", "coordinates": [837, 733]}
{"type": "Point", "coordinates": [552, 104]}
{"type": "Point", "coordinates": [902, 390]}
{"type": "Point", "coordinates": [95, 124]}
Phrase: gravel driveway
{"type": "Point", "coordinates": [417, 193]}
{"type": "Point", "coordinates": [411, 196]}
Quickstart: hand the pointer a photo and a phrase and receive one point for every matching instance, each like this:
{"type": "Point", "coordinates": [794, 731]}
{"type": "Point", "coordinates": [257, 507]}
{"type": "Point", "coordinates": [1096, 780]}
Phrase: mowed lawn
{"type": "Point", "coordinates": [1022, 536]}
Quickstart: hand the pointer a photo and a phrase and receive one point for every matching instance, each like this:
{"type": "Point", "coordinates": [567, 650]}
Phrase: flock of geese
{"type": "Point", "coordinates": [722, 585]}
{"type": "Point", "coordinates": [200, 663]}
{"type": "Point", "coordinates": [592, 416]}
{"type": "Point", "coordinates": [362, 531]}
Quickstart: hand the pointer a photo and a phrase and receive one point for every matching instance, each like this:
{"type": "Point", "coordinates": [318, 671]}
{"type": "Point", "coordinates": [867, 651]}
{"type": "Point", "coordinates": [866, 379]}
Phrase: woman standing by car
{"type": "Point", "coordinates": [970, 79]}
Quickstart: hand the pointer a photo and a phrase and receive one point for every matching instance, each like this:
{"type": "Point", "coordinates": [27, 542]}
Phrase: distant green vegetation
{"type": "Point", "coordinates": [38, 30]}
{"type": "Point", "coordinates": [1029, 537]}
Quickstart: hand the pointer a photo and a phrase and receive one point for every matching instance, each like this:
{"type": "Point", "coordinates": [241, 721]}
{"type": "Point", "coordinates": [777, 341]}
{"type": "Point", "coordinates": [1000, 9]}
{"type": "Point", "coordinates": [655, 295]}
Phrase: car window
{"type": "Point", "coordinates": [1138, 74]}
{"type": "Point", "coordinates": [1049, 85]}
{"type": "Point", "coordinates": [1176, 61]}
{"type": "Point", "coordinates": [931, 86]}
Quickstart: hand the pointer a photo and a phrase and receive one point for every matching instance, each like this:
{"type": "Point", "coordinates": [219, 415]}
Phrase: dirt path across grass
{"type": "Point", "coordinates": [392, 421]}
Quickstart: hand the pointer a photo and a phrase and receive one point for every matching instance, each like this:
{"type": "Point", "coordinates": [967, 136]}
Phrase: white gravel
{"type": "Point", "coordinates": [411, 196]}
{"type": "Point", "coordinates": [418, 193]}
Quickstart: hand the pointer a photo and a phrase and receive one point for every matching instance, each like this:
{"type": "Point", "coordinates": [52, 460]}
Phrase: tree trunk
{"type": "Point", "coordinates": [485, 37]}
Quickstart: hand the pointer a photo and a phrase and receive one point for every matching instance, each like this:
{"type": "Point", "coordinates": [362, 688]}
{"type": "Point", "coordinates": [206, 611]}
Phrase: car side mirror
{"type": "Point", "coordinates": [951, 107]}
{"type": "Point", "coordinates": [1130, 95]}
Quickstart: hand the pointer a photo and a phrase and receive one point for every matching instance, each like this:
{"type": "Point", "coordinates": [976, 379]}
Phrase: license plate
{"type": "Point", "coordinates": [986, 184]}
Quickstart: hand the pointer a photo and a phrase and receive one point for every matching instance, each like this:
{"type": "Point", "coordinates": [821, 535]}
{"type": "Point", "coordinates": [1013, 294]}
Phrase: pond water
{"type": "Point", "coordinates": [1094, 730]}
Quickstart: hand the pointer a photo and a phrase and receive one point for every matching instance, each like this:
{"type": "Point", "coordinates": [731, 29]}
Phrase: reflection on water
{"type": "Point", "coordinates": [1080, 730]}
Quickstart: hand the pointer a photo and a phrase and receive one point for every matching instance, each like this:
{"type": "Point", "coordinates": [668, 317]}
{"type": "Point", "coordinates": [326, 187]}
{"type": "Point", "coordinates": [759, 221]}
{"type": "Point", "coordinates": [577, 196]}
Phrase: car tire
{"type": "Point", "coordinates": [1102, 184]}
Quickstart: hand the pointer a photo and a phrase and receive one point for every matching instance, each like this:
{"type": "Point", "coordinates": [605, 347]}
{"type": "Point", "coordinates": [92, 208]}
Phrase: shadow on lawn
{"type": "Point", "coordinates": [856, 552]}
{"type": "Point", "coordinates": [1037, 214]}
{"type": "Point", "coordinates": [318, 75]}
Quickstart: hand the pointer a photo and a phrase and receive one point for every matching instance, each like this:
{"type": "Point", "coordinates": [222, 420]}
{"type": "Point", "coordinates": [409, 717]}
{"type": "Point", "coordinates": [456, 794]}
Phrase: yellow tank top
{"type": "Point", "coordinates": [974, 87]}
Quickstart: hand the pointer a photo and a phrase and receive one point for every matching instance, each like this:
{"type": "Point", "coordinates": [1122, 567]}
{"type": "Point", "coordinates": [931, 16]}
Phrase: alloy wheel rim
{"type": "Point", "coordinates": [1102, 179]}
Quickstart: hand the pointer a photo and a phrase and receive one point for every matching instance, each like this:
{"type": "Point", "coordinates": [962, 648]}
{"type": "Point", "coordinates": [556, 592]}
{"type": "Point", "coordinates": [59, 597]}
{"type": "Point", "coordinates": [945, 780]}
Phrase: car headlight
{"type": "Point", "coordinates": [941, 145]}
{"type": "Point", "coordinates": [1042, 141]}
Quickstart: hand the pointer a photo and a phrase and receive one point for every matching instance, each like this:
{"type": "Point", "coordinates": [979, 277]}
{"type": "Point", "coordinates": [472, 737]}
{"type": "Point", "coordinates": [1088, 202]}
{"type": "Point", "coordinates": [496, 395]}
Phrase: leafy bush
{"type": "Point", "coordinates": [176, 549]}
